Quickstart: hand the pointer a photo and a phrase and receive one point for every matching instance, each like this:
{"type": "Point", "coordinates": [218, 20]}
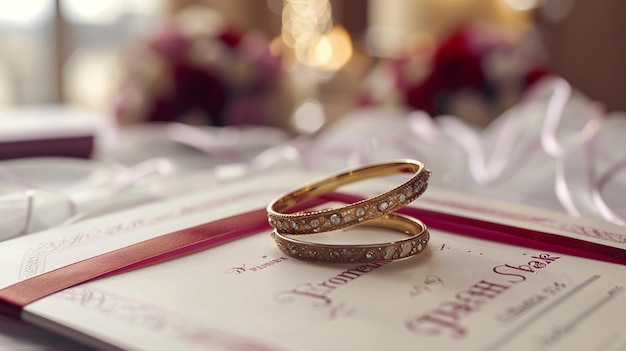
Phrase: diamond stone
{"type": "Point", "coordinates": [406, 249]}
{"type": "Point", "coordinates": [389, 252]}
{"type": "Point", "coordinates": [401, 197]}
{"type": "Point", "coordinates": [360, 212]}
{"type": "Point", "coordinates": [312, 253]}
{"type": "Point", "coordinates": [333, 255]}
{"type": "Point", "coordinates": [369, 255]}
{"type": "Point", "coordinates": [335, 218]}
{"type": "Point", "coordinates": [315, 223]}
{"type": "Point", "coordinates": [383, 205]}
{"type": "Point", "coordinates": [292, 249]}
{"type": "Point", "coordinates": [420, 247]}
{"type": "Point", "coordinates": [346, 253]}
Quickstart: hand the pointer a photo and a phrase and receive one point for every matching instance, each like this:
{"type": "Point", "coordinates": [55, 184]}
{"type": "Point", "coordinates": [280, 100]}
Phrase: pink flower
{"type": "Point", "coordinates": [458, 66]}
{"type": "Point", "coordinates": [182, 75]}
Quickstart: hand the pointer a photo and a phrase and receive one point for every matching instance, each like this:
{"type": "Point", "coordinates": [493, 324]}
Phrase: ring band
{"type": "Point", "coordinates": [404, 248]}
{"type": "Point", "coordinates": [337, 218]}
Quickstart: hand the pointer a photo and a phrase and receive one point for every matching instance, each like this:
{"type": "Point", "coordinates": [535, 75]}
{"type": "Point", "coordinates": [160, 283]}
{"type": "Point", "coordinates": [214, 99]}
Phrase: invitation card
{"type": "Point", "coordinates": [461, 292]}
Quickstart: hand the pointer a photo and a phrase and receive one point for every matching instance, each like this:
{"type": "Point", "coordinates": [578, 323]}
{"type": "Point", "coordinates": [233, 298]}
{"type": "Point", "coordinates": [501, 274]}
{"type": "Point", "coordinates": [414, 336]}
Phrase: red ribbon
{"type": "Point", "coordinates": [506, 234]}
{"type": "Point", "coordinates": [14, 297]}
{"type": "Point", "coordinates": [173, 245]}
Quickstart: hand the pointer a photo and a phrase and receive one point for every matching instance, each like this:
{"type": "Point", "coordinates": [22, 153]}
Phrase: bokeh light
{"type": "Point", "coordinates": [308, 30]}
{"type": "Point", "coordinates": [522, 5]}
{"type": "Point", "coordinates": [24, 12]}
{"type": "Point", "coordinates": [309, 117]}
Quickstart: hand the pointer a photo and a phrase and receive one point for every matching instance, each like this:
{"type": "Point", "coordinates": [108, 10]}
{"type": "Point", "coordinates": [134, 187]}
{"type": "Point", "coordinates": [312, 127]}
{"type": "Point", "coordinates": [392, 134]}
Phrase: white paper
{"type": "Point", "coordinates": [460, 293]}
{"type": "Point", "coordinates": [48, 122]}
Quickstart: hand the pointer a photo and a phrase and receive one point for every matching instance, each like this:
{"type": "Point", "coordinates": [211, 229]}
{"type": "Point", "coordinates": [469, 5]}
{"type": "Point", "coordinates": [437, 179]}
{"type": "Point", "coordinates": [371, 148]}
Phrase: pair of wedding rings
{"type": "Point", "coordinates": [290, 223]}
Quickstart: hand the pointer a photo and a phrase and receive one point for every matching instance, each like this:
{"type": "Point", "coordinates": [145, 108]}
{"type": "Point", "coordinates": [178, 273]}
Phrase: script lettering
{"type": "Point", "coordinates": [520, 271]}
{"type": "Point", "coordinates": [447, 317]}
{"type": "Point", "coordinates": [318, 294]}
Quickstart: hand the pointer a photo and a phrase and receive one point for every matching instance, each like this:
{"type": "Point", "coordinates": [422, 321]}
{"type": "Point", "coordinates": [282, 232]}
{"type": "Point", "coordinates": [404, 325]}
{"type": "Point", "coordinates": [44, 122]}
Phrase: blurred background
{"type": "Point", "coordinates": [130, 59]}
{"type": "Point", "coordinates": [105, 105]}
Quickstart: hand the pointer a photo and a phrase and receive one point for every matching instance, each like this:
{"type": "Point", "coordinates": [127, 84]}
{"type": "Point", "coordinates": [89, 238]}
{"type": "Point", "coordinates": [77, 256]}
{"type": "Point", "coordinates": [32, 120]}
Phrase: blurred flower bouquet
{"type": "Point", "coordinates": [196, 68]}
{"type": "Point", "coordinates": [475, 73]}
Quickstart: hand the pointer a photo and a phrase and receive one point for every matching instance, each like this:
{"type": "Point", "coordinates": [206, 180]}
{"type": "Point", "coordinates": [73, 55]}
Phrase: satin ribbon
{"type": "Point", "coordinates": [506, 234]}
{"type": "Point", "coordinates": [183, 242]}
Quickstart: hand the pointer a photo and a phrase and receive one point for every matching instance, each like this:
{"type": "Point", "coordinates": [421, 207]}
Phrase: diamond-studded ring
{"type": "Point", "coordinates": [352, 214]}
{"type": "Point", "coordinates": [406, 247]}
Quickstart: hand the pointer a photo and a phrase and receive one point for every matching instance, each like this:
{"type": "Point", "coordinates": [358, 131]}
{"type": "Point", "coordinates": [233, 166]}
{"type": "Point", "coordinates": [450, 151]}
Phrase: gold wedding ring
{"type": "Point", "coordinates": [325, 220]}
{"type": "Point", "coordinates": [407, 247]}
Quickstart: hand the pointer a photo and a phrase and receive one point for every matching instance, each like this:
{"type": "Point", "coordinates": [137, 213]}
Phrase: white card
{"type": "Point", "coordinates": [460, 293]}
